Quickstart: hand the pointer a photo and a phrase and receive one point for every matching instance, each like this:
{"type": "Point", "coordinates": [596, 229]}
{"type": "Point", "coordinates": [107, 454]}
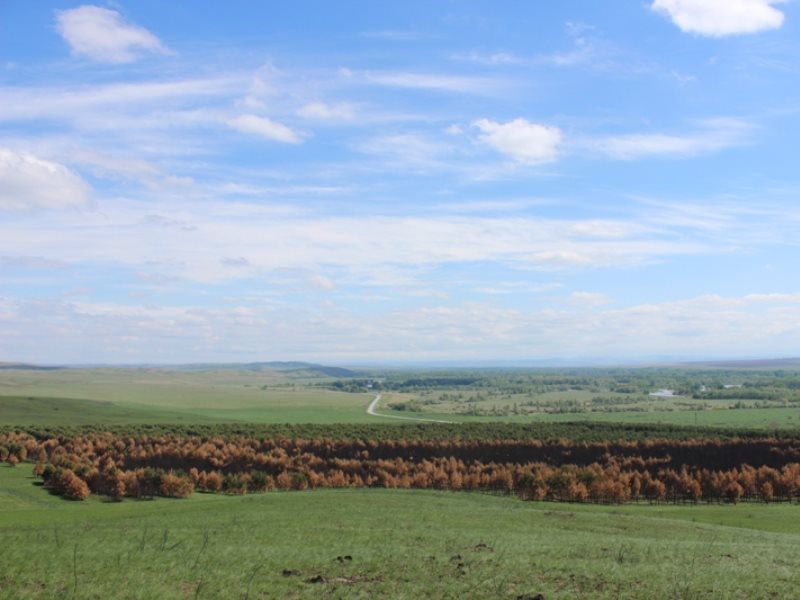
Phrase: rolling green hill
{"type": "Point", "coordinates": [389, 544]}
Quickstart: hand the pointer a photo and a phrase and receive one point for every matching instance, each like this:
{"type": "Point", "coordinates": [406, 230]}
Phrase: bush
{"type": "Point", "coordinates": [175, 486]}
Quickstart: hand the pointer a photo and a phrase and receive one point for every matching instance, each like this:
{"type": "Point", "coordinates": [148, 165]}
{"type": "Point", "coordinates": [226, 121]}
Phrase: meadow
{"type": "Point", "coordinates": [388, 543]}
{"type": "Point", "coordinates": [762, 399]}
{"type": "Point", "coordinates": [119, 396]}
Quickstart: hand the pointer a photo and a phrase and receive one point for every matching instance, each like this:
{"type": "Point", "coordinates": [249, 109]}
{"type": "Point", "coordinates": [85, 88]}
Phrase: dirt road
{"type": "Point", "coordinates": [371, 410]}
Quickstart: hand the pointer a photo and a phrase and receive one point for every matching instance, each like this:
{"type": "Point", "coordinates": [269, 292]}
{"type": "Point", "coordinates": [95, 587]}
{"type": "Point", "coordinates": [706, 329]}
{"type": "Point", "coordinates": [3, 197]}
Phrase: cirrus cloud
{"type": "Point", "coordinates": [326, 112]}
{"type": "Point", "coordinates": [715, 134]}
{"type": "Point", "coordinates": [265, 127]}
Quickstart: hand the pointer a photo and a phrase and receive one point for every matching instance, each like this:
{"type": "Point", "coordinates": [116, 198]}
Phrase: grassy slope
{"type": "Point", "coordinates": [32, 410]}
{"type": "Point", "coordinates": [402, 544]}
{"type": "Point", "coordinates": [121, 396]}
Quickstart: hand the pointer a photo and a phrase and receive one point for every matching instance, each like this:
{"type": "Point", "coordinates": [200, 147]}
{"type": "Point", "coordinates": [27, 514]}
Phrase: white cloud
{"type": "Point", "coordinates": [235, 263]}
{"type": "Point", "coordinates": [560, 259]}
{"type": "Point", "coordinates": [407, 150]}
{"type": "Point", "coordinates": [719, 18]}
{"type": "Point", "coordinates": [716, 134]}
{"type": "Point", "coordinates": [392, 34]}
{"type": "Point", "coordinates": [114, 100]}
{"type": "Point", "coordinates": [32, 262]}
{"type": "Point", "coordinates": [432, 81]}
{"type": "Point", "coordinates": [495, 58]}
{"type": "Point", "coordinates": [191, 240]}
{"type": "Point", "coordinates": [322, 282]}
{"type": "Point", "coordinates": [632, 146]}
{"type": "Point", "coordinates": [28, 183]}
{"type": "Point", "coordinates": [526, 142]}
{"type": "Point", "coordinates": [103, 35]}
{"type": "Point", "coordinates": [589, 298]}
{"type": "Point", "coordinates": [603, 229]}
{"type": "Point", "coordinates": [265, 127]}
{"type": "Point", "coordinates": [325, 112]}
{"type": "Point", "coordinates": [585, 48]}
{"type": "Point", "coordinates": [703, 326]}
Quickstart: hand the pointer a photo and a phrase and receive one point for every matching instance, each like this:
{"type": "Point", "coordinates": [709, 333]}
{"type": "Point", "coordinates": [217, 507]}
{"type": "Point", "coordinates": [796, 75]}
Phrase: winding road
{"type": "Point", "coordinates": [371, 410]}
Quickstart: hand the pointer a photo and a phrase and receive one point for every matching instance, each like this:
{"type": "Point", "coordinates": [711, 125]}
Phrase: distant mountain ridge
{"type": "Point", "coordinates": [25, 367]}
{"type": "Point", "coordinates": [282, 366]}
{"type": "Point", "coordinates": [292, 366]}
{"type": "Point", "coordinates": [330, 371]}
{"type": "Point", "coordinates": [276, 365]}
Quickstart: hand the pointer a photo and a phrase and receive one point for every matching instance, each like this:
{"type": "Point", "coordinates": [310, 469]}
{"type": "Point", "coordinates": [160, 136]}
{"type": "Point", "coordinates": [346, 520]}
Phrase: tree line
{"type": "Point", "coordinates": [656, 470]}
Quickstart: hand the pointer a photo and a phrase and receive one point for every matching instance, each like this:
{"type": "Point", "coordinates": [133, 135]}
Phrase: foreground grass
{"type": "Point", "coordinates": [403, 544]}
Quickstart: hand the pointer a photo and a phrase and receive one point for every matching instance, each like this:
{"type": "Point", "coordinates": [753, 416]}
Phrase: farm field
{"type": "Point", "coordinates": [401, 544]}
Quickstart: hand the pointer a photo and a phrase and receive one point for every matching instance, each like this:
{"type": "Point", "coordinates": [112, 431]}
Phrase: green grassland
{"type": "Point", "coordinates": [403, 544]}
{"type": "Point", "coordinates": [671, 412]}
{"type": "Point", "coordinates": [118, 396]}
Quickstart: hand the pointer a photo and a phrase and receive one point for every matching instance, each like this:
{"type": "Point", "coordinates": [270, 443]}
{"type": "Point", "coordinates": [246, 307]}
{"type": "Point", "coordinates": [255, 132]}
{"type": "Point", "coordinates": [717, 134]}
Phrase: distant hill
{"type": "Point", "coordinates": [296, 367]}
{"type": "Point", "coordinates": [761, 363]}
{"type": "Point", "coordinates": [7, 366]}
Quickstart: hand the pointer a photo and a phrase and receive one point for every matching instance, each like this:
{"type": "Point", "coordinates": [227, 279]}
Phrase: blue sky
{"type": "Point", "coordinates": [367, 181]}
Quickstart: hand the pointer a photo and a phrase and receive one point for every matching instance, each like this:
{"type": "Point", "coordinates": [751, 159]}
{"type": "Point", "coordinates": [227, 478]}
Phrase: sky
{"type": "Point", "coordinates": [429, 180]}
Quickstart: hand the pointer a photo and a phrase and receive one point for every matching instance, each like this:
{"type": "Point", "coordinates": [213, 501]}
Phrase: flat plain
{"type": "Point", "coordinates": [151, 395]}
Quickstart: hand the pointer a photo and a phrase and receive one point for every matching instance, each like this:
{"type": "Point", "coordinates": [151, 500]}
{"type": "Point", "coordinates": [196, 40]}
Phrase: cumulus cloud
{"type": "Point", "coordinates": [719, 18]}
{"type": "Point", "coordinates": [103, 35]}
{"type": "Point", "coordinates": [272, 130]}
{"type": "Point", "coordinates": [527, 143]}
{"type": "Point", "coordinates": [28, 183]}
